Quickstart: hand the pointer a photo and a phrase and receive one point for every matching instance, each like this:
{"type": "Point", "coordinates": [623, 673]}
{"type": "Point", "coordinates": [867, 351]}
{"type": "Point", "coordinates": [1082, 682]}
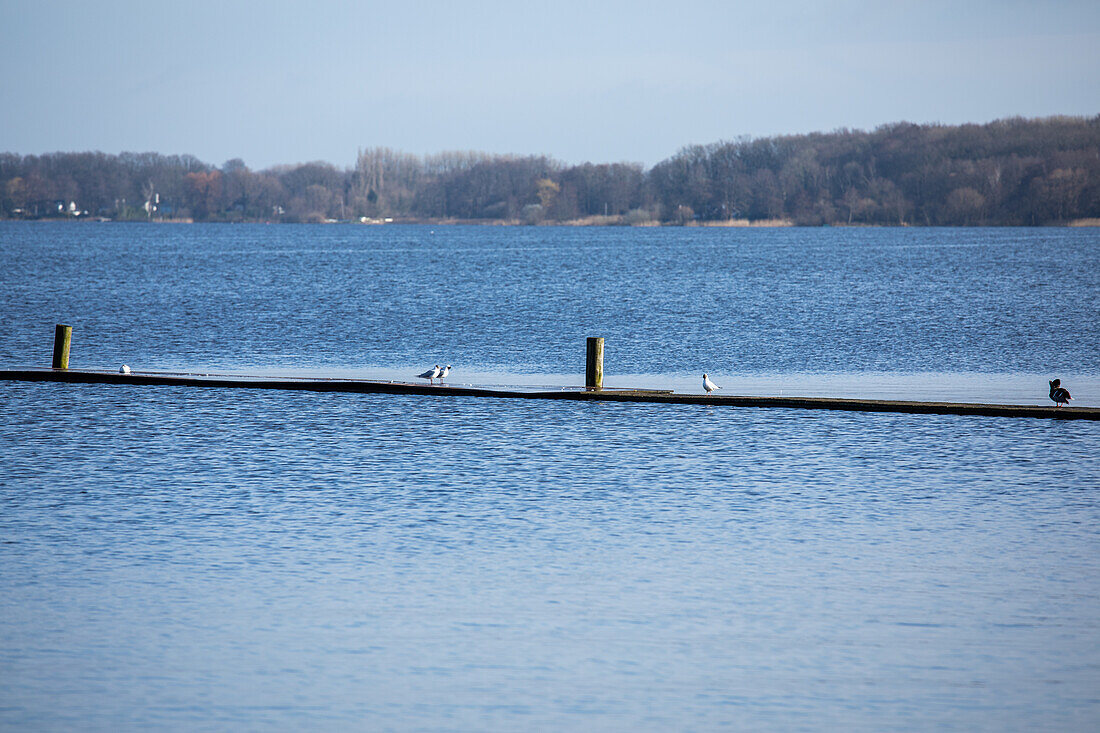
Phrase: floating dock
{"type": "Point", "coordinates": [370, 386]}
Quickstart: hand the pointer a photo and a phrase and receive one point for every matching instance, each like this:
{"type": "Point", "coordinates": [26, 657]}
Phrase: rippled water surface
{"type": "Point", "coordinates": [180, 558]}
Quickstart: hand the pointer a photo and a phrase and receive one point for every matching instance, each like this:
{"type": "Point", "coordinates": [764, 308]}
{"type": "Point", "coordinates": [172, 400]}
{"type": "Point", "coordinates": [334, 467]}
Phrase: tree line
{"type": "Point", "coordinates": [1008, 172]}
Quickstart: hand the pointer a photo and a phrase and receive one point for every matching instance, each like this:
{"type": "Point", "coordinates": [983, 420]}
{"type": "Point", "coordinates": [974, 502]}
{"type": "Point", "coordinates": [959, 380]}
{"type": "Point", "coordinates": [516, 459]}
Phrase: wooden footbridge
{"type": "Point", "coordinates": [592, 391]}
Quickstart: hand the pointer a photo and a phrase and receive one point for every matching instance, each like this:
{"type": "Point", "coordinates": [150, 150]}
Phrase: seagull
{"type": "Point", "coordinates": [444, 373]}
{"type": "Point", "coordinates": [1058, 393]}
{"type": "Point", "coordinates": [708, 385]}
{"type": "Point", "coordinates": [431, 374]}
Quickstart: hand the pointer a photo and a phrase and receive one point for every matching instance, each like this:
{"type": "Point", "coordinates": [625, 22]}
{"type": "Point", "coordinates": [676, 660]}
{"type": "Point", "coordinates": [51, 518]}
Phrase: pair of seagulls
{"type": "Point", "coordinates": [435, 373]}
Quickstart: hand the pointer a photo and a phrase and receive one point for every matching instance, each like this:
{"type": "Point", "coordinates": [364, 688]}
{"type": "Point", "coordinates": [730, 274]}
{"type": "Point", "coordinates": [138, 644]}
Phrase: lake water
{"type": "Point", "coordinates": [183, 558]}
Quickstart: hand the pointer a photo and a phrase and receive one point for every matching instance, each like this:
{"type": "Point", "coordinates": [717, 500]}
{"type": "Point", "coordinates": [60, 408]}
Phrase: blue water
{"type": "Point", "coordinates": [667, 301]}
{"type": "Point", "coordinates": [180, 558]}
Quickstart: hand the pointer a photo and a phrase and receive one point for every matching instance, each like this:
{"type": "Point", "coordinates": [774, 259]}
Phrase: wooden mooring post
{"type": "Point", "coordinates": [62, 338]}
{"type": "Point", "coordinates": [593, 370]}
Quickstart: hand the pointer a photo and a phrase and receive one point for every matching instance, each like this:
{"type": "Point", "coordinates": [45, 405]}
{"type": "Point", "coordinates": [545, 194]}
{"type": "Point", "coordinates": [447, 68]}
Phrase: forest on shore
{"type": "Point", "coordinates": [1011, 172]}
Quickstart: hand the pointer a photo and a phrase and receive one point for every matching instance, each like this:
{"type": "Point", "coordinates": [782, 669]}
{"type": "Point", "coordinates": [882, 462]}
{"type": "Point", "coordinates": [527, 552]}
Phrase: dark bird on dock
{"type": "Point", "coordinates": [431, 374]}
{"type": "Point", "coordinates": [1058, 393]}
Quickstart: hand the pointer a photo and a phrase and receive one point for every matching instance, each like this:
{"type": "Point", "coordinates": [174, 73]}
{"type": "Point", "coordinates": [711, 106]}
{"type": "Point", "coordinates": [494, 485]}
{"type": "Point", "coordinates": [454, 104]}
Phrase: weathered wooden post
{"type": "Point", "coordinates": [62, 337]}
{"type": "Point", "coordinates": [593, 371]}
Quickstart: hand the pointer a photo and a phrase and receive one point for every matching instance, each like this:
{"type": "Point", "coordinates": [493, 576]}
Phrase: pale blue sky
{"type": "Point", "coordinates": [280, 82]}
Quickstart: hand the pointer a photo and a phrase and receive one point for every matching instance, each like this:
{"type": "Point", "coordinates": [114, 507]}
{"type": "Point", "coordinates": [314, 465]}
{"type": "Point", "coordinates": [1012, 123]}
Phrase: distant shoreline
{"type": "Point", "coordinates": [1009, 172]}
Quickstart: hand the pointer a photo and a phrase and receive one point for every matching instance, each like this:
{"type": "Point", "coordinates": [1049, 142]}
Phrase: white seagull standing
{"type": "Point", "coordinates": [431, 374]}
{"type": "Point", "coordinates": [443, 374]}
{"type": "Point", "coordinates": [708, 385]}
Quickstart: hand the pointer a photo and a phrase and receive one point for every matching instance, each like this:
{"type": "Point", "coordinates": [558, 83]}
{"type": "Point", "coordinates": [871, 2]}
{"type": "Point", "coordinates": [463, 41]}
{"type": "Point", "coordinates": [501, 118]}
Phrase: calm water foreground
{"type": "Point", "coordinates": [180, 558]}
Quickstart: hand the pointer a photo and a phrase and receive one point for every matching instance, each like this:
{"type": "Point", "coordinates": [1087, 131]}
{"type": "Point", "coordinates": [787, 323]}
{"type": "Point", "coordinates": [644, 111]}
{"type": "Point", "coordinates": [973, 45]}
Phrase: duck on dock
{"type": "Point", "coordinates": [1058, 393]}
